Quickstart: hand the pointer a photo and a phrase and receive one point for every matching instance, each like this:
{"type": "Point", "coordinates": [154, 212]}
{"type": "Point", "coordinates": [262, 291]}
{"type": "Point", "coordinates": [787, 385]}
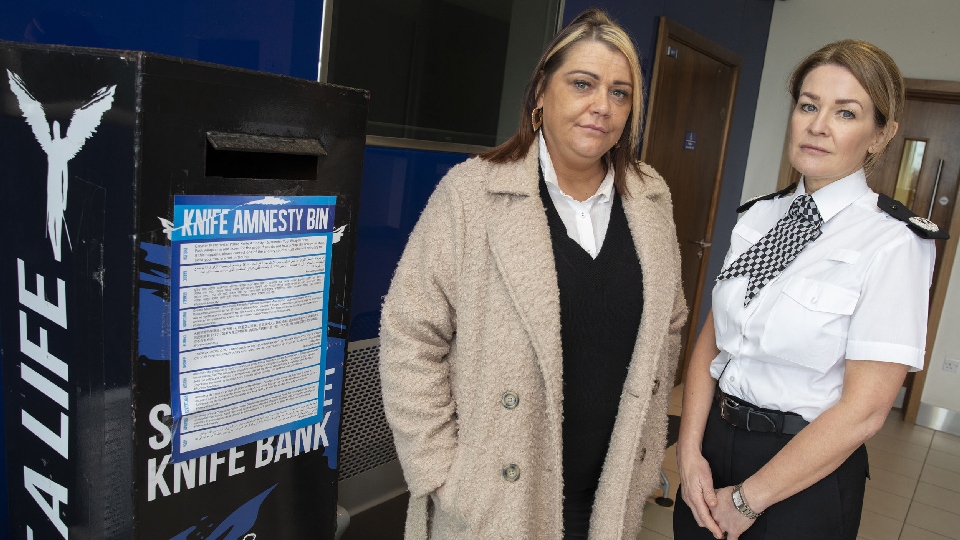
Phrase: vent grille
{"type": "Point", "coordinates": [365, 438]}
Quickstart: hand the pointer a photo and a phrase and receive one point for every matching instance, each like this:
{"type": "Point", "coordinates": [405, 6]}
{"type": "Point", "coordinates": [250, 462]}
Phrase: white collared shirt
{"type": "Point", "coordinates": [586, 222]}
{"type": "Point", "coordinates": [858, 292]}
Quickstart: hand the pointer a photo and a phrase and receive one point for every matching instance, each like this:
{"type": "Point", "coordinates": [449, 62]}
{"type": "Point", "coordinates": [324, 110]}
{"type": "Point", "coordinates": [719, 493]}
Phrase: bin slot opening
{"type": "Point", "coordinates": [237, 155]}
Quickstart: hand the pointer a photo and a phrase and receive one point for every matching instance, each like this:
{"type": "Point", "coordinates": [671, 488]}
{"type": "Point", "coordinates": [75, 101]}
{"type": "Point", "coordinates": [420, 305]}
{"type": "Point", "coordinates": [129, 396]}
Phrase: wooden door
{"type": "Point", "coordinates": [937, 125]}
{"type": "Point", "coordinates": [691, 105]}
{"type": "Point", "coordinates": [932, 118]}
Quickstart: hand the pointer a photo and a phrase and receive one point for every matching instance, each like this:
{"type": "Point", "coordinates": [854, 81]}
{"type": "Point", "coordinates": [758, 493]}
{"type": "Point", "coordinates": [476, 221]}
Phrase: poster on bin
{"type": "Point", "coordinates": [249, 299]}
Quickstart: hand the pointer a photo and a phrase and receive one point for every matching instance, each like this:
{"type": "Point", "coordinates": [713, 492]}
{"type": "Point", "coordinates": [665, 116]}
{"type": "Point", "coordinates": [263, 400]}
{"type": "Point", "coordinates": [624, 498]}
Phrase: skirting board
{"type": "Point", "coordinates": [938, 418]}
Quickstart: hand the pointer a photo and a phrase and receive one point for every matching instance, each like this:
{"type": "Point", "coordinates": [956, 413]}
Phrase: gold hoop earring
{"type": "Point", "coordinates": [536, 118]}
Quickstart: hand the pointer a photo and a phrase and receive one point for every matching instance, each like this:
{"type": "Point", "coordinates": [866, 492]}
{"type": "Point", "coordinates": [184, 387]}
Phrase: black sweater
{"type": "Point", "coordinates": [601, 301]}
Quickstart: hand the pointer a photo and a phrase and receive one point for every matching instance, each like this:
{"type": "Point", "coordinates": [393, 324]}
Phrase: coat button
{"type": "Point", "coordinates": [511, 473]}
{"type": "Point", "coordinates": [510, 400]}
{"type": "Point", "coordinates": [656, 386]}
{"type": "Point", "coordinates": [643, 453]}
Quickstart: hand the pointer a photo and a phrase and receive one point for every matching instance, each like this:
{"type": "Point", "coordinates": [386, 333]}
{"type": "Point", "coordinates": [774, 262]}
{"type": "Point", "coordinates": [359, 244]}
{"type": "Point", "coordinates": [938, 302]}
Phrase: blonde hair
{"type": "Point", "coordinates": [876, 72]}
{"type": "Point", "coordinates": [591, 25]}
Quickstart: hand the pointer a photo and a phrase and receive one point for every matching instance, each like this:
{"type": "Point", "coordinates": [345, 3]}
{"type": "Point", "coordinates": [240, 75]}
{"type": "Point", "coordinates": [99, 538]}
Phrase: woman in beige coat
{"type": "Point", "coordinates": [530, 335]}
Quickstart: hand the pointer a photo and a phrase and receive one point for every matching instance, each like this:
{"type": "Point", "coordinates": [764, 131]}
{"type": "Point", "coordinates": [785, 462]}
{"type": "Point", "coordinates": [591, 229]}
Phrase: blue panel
{"type": "Point", "coordinates": [281, 36]}
{"type": "Point", "coordinates": [4, 526]}
{"type": "Point", "coordinates": [718, 21]}
{"type": "Point", "coordinates": [396, 186]}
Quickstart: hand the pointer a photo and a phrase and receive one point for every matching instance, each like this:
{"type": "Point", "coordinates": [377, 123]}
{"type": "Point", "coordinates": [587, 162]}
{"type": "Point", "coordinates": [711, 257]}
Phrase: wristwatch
{"type": "Point", "coordinates": [741, 503]}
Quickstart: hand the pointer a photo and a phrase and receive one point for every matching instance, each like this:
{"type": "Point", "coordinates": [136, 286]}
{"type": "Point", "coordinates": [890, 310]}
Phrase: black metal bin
{"type": "Point", "coordinates": [98, 149]}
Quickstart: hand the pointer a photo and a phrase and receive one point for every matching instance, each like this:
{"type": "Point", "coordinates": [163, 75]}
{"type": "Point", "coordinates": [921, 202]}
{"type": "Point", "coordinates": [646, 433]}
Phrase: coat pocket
{"type": "Point", "coordinates": [448, 503]}
{"type": "Point", "coordinates": [466, 492]}
{"type": "Point", "coordinates": [808, 323]}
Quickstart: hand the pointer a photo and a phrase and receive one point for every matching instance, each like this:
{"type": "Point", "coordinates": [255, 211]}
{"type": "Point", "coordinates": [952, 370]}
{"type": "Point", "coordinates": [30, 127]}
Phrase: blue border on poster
{"type": "Point", "coordinates": [214, 218]}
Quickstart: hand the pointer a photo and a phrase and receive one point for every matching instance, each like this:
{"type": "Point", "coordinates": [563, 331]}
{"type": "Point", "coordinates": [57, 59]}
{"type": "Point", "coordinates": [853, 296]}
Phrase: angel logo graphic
{"type": "Point", "coordinates": [236, 526]}
{"type": "Point", "coordinates": [60, 150]}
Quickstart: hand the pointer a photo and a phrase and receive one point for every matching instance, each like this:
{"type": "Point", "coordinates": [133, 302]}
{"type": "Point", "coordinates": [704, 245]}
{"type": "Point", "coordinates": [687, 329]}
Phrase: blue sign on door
{"type": "Point", "coordinates": [690, 141]}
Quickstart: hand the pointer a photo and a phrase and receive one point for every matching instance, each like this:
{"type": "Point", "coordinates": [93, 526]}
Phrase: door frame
{"type": "Point", "coordinates": [940, 92]}
{"type": "Point", "coordinates": [669, 29]}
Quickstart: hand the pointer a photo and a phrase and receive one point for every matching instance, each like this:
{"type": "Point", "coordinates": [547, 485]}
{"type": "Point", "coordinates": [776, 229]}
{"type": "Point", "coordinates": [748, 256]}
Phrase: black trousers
{"type": "Point", "coordinates": [827, 510]}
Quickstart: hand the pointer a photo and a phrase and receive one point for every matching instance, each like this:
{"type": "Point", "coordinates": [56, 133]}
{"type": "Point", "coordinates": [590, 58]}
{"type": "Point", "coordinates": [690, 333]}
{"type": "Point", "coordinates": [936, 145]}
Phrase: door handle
{"type": "Point", "coordinates": [936, 184]}
{"type": "Point", "coordinates": [703, 245]}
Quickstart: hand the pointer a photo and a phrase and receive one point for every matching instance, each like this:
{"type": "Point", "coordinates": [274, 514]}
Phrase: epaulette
{"type": "Point", "coordinates": [746, 206]}
{"type": "Point", "coordinates": [924, 228]}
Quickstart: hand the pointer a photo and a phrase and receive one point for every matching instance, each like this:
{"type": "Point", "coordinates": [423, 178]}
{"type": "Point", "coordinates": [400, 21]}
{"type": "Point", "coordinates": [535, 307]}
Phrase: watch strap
{"type": "Point", "coordinates": [741, 503]}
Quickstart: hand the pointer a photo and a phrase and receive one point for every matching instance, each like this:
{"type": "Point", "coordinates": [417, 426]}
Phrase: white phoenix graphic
{"type": "Point", "coordinates": [60, 150]}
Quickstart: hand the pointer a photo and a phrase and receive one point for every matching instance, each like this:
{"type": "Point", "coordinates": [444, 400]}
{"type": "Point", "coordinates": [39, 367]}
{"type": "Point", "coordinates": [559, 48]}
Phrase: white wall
{"type": "Point", "coordinates": [923, 36]}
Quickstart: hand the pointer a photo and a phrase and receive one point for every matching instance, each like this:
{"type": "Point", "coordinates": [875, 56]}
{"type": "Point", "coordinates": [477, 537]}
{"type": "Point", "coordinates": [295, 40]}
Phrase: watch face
{"type": "Point", "coordinates": [737, 498]}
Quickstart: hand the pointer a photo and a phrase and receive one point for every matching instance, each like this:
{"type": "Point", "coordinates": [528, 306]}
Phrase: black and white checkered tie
{"type": "Point", "coordinates": [778, 248]}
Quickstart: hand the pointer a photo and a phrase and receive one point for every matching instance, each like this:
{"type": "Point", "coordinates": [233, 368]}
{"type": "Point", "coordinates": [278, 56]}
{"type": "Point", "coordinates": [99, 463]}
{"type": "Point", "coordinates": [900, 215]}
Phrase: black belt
{"type": "Point", "coordinates": [744, 416]}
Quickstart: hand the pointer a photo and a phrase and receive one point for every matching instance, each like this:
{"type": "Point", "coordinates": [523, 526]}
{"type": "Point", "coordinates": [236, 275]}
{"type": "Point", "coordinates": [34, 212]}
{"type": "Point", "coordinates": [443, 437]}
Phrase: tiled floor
{"type": "Point", "coordinates": [913, 493]}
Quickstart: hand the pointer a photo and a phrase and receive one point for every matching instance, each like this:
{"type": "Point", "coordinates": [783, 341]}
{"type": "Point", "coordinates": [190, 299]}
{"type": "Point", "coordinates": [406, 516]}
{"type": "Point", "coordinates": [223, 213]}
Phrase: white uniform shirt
{"type": "Point", "coordinates": [586, 222]}
{"type": "Point", "coordinates": [858, 292]}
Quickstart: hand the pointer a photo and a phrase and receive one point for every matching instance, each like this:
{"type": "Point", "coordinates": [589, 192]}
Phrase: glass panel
{"type": "Point", "coordinates": [909, 173]}
{"type": "Point", "coordinates": [395, 188]}
{"type": "Point", "coordinates": [440, 70]}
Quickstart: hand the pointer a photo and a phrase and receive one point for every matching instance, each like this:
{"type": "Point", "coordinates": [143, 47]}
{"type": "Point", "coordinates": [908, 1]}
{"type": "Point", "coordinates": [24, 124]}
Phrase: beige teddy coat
{"type": "Point", "coordinates": [473, 312]}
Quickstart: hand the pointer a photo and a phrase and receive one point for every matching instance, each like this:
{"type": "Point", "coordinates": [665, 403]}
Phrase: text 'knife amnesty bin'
{"type": "Point", "coordinates": [249, 286]}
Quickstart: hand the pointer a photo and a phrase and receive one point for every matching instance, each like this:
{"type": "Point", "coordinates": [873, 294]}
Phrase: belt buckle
{"type": "Point", "coordinates": [734, 412]}
{"type": "Point", "coordinates": [728, 403]}
{"type": "Point", "coordinates": [728, 406]}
